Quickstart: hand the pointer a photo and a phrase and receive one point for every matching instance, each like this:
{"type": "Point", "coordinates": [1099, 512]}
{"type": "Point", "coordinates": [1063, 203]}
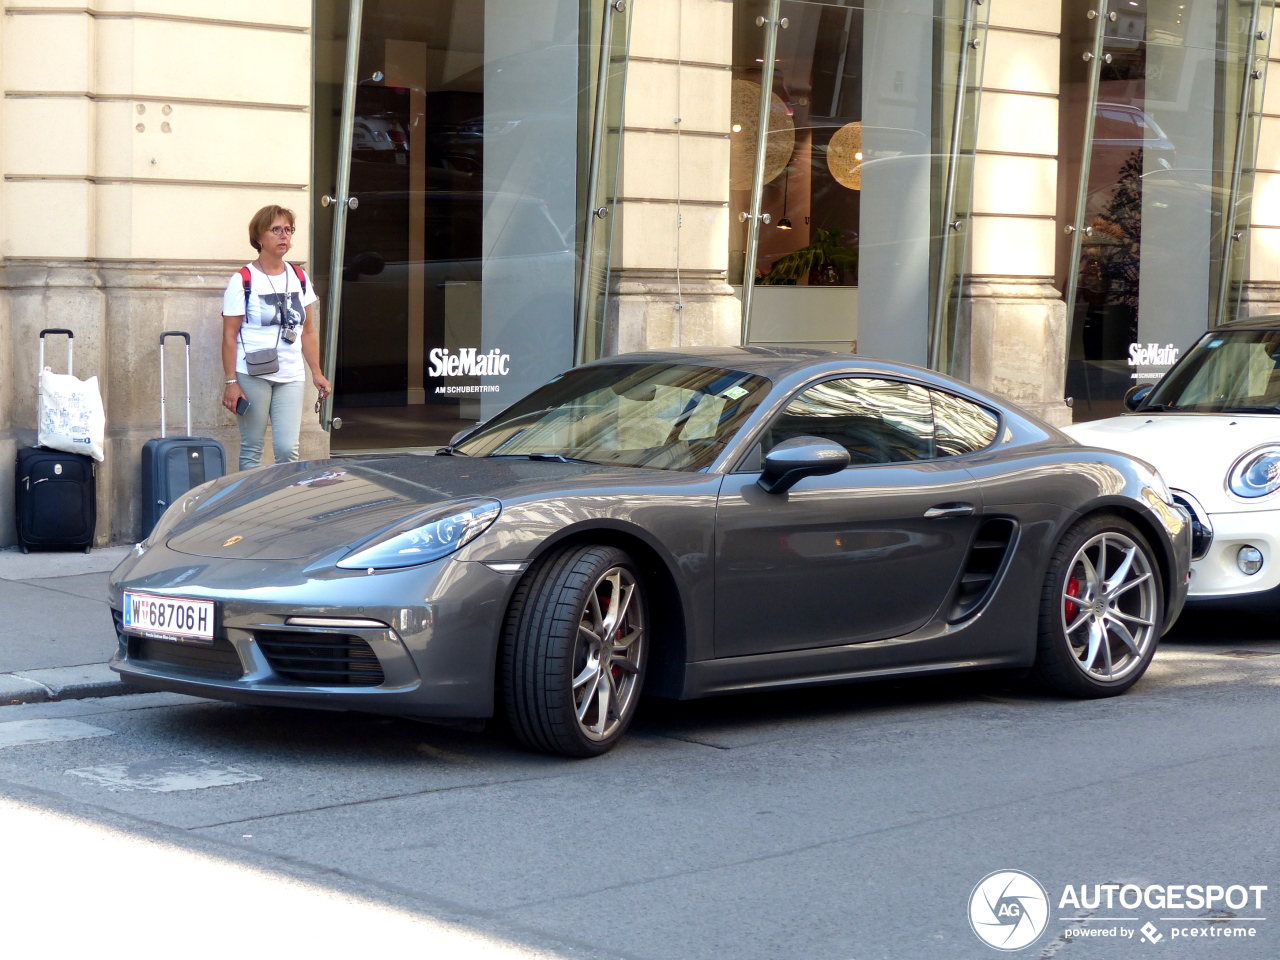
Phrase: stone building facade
{"type": "Point", "coordinates": [528, 174]}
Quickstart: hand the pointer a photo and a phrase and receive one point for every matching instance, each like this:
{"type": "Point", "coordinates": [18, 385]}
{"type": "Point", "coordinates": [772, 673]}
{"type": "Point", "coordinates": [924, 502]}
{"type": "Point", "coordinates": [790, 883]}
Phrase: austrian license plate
{"type": "Point", "coordinates": [168, 618]}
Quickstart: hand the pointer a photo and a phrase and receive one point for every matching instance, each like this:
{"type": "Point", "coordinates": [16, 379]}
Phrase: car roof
{"type": "Point", "coordinates": [1271, 322]}
{"type": "Point", "coordinates": [774, 363]}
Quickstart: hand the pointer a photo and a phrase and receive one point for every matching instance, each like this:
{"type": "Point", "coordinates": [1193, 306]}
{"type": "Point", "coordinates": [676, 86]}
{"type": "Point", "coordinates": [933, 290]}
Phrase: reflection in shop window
{"type": "Point", "coordinates": [1161, 185]}
{"type": "Point", "coordinates": [856, 155]}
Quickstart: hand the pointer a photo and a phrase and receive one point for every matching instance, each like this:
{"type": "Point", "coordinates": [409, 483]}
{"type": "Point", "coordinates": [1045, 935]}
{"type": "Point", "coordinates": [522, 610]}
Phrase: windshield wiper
{"type": "Point", "coordinates": [450, 451]}
{"type": "Point", "coordinates": [1251, 409]}
{"type": "Point", "coordinates": [553, 457]}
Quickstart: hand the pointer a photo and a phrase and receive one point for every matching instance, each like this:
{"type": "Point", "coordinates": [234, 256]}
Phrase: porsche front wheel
{"type": "Point", "coordinates": [574, 650]}
{"type": "Point", "coordinates": [1100, 614]}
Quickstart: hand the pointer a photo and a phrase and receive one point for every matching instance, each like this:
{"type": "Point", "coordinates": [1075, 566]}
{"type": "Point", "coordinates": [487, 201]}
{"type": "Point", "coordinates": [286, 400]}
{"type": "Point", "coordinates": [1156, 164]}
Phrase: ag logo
{"type": "Point", "coordinates": [1008, 909]}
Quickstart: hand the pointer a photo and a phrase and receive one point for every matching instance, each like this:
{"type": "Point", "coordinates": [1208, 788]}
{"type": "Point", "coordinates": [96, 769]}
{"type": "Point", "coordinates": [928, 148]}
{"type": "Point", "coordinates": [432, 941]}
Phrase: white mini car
{"type": "Point", "coordinates": [1211, 426]}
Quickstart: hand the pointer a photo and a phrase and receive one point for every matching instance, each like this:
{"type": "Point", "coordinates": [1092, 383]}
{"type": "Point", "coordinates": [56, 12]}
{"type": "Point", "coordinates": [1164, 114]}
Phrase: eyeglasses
{"type": "Point", "coordinates": [283, 231]}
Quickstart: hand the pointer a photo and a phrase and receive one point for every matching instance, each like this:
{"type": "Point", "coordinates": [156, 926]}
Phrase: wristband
{"type": "Point", "coordinates": [230, 381]}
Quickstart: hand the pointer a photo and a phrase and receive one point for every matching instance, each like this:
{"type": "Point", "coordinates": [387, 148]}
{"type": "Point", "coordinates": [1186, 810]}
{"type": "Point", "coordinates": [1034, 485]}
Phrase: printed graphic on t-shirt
{"type": "Point", "coordinates": [273, 307]}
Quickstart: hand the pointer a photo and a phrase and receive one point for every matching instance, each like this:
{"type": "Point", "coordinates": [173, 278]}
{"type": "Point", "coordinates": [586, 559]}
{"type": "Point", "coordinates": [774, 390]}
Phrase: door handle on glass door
{"type": "Point", "coordinates": [944, 510]}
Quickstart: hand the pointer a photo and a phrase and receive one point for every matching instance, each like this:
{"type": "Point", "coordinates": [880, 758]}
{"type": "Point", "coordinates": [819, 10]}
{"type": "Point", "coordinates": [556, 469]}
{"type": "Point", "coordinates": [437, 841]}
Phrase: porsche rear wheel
{"type": "Point", "coordinates": [1100, 613]}
{"type": "Point", "coordinates": [574, 651]}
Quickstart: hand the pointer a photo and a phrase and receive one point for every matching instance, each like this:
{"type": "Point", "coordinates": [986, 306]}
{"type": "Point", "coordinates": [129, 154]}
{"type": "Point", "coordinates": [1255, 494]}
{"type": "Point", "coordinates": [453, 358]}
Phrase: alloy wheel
{"type": "Point", "coordinates": [1109, 606]}
{"type": "Point", "coordinates": [609, 653]}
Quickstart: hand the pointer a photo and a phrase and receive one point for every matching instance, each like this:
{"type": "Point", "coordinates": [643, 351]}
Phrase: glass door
{"type": "Point", "coordinates": [1159, 96]}
{"type": "Point", "coordinates": [454, 204]}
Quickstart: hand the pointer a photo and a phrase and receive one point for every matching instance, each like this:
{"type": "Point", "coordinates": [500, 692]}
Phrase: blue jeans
{"type": "Point", "coordinates": [281, 404]}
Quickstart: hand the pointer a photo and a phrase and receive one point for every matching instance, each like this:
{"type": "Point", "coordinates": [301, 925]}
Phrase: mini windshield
{"type": "Point", "coordinates": [1235, 371]}
{"type": "Point", "coordinates": [669, 417]}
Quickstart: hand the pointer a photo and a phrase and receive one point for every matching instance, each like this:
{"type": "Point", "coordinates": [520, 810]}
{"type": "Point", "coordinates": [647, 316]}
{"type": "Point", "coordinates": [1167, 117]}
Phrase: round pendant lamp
{"type": "Point", "coordinates": [844, 155]}
{"type": "Point", "coordinates": [744, 112]}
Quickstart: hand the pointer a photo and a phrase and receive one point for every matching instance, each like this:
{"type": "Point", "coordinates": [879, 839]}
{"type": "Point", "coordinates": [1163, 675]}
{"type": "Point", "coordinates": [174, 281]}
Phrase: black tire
{"type": "Point", "coordinates": [1062, 663]}
{"type": "Point", "coordinates": [543, 651]}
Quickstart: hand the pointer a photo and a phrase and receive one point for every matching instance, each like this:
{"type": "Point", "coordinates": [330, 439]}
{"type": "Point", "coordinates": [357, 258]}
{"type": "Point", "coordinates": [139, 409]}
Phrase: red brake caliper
{"type": "Point", "coordinates": [1069, 609]}
{"type": "Point", "coordinates": [604, 608]}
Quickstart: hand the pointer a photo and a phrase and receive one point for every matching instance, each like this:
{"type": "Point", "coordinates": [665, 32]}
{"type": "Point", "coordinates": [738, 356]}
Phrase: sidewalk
{"type": "Point", "coordinates": [55, 626]}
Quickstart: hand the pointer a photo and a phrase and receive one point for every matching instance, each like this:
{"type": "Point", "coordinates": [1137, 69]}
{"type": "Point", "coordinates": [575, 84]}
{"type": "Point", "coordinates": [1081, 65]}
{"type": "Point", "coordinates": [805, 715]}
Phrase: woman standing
{"type": "Point", "coordinates": [268, 334]}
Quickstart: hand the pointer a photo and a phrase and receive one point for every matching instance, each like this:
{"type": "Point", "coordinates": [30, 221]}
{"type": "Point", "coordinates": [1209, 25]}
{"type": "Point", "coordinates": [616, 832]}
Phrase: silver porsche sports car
{"type": "Point", "coordinates": [680, 525]}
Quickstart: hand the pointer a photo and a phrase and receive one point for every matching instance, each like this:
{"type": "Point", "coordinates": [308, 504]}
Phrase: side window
{"type": "Point", "coordinates": [877, 421]}
{"type": "Point", "coordinates": [961, 426]}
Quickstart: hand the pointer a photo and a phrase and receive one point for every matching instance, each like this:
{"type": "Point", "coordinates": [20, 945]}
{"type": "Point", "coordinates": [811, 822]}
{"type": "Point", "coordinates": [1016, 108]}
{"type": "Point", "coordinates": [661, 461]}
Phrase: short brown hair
{"type": "Point", "coordinates": [262, 221]}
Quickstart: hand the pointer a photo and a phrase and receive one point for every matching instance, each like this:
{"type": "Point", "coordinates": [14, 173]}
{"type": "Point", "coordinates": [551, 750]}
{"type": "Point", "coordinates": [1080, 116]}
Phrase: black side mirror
{"type": "Point", "coordinates": [792, 460]}
{"type": "Point", "coordinates": [1136, 394]}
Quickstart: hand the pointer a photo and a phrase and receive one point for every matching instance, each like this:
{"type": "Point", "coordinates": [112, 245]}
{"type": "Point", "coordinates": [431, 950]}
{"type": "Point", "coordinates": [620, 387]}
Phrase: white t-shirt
{"type": "Point", "coordinates": [275, 300]}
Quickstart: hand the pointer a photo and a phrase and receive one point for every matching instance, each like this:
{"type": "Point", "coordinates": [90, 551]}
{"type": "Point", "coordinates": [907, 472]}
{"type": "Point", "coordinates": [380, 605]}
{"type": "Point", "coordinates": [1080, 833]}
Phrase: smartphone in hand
{"type": "Point", "coordinates": [242, 406]}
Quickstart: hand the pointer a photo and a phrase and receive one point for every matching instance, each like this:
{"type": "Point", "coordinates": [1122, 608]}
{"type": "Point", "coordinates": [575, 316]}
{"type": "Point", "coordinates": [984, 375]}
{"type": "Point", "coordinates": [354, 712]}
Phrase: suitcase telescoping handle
{"type": "Point", "coordinates": [71, 339]}
{"type": "Point", "coordinates": [40, 369]}
{"type": "Point", "coordinates": [187, 338]}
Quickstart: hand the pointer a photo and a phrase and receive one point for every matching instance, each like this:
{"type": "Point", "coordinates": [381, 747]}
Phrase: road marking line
{"type": "Point", "coordinates": [14, 733]}
{"type": "Point", "coordinates": [164, 775]}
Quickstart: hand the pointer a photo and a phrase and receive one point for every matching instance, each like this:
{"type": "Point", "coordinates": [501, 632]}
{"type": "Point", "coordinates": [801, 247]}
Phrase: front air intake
{"type": "Point", "coordinates": [321, 659]}
{"type": "Point", "coordinates": [986, 560]}
{"type": "Point", "coordinates": [216, 659]}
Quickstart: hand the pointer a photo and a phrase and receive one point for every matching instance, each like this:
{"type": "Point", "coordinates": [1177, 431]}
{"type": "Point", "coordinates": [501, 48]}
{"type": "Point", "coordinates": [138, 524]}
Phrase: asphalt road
{"type": "Point", "coordinates": [846, 822]}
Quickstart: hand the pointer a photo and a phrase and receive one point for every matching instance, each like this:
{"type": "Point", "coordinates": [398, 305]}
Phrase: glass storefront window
{"type": "Point", "coordinates": [459, 277]}
{"type": "Point", "coordinates": [867, 161]}
{"type": "Point", "coordinates": [1157, 100]}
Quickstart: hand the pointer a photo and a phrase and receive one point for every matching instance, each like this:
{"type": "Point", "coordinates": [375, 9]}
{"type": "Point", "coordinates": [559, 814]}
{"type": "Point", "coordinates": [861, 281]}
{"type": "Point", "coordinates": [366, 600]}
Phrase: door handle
{"type": "Point", "coordinates": [944, 510]}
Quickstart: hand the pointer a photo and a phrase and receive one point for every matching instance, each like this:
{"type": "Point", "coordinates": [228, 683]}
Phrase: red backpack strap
{"type": "Point", "coordinates": [247, 279]}
{"type": "Point", "coordinates": [302, 277]}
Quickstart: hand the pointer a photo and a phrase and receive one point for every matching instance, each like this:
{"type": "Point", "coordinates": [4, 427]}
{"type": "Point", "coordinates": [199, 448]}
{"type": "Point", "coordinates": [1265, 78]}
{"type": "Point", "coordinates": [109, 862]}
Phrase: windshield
{"type": "Point", "coordinates": [1234, 371]}
{"type": "Point", "coordinates": [659, 415]}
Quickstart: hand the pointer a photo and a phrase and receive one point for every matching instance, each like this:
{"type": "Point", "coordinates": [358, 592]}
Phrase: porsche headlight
{"type": "Point", "coordinates": [426, 537]}
{"type": "Point", "coordinates": [1256, 474]}
{"type": "Point", "coordinates": [175, 514]}
{"type": "Point", "coordinates": [1161, 488]}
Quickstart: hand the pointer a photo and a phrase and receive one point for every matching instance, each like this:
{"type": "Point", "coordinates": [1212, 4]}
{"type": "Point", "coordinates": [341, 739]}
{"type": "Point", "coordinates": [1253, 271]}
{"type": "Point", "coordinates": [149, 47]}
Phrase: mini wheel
{"type": "Point", "coordinates": [1100, 613]}
{"type": "Point", "coordinates": [574, 650]}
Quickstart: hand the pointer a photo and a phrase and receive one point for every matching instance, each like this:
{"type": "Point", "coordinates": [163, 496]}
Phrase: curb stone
{"type": "Point", "coordinates": [52, 684]}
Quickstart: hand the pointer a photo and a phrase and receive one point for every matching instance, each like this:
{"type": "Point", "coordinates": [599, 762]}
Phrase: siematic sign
{"type": "Point", "coordinates": [468, 362]}
{"type": "Point", "coordinates": [1151, 355]}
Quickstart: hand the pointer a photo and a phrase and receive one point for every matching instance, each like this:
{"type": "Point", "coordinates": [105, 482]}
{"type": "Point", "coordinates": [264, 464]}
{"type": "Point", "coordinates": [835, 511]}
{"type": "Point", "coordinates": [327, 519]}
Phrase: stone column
{"type": "Point", "coordinates": [132, 161]}
{"type": "Point", "coordinates": [1012, 330]}
{"type": "Point", "coordinates": [680, 68]}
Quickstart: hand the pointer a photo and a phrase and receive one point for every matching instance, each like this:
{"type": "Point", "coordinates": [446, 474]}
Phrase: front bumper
{"type": "Point", "coordinates": [420, 641]}
{"type": "Point", "coordinates": [1217, 576]}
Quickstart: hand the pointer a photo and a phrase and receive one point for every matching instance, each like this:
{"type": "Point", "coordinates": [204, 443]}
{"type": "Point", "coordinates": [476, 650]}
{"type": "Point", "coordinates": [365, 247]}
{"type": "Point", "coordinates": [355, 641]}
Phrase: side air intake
{"type": "Point", "coordinates": [987, 557]}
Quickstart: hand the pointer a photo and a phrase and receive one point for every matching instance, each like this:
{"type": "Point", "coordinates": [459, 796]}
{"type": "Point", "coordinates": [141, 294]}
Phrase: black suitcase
{"type": "Point", "coordinates": [173, 465]}
{"type": "Point", "coordinates": [57, 502]}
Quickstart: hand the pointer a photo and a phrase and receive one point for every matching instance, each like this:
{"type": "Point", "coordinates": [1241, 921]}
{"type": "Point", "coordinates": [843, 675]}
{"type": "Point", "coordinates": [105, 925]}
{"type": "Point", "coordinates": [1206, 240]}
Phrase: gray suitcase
{"type": "Point", "coordinates": [173, 465]}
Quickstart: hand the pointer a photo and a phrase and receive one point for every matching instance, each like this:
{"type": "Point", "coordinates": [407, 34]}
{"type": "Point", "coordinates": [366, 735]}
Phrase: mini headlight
{"type": "Point", "coordinates": [426, 537]}
{"type": "Point", "coordinates": [1256, 474]}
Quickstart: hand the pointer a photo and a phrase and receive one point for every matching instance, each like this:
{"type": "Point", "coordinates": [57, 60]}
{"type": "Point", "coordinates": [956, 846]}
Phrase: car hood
{"type": "Point", "coordinates": [1193, 452]}
{"type": "Point", "coordinates": [299, 510]}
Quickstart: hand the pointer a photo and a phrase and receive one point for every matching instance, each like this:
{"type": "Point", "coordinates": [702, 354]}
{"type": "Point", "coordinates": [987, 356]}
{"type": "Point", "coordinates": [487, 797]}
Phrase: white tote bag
{"type": "Point", "coordinates": [72, 418]}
